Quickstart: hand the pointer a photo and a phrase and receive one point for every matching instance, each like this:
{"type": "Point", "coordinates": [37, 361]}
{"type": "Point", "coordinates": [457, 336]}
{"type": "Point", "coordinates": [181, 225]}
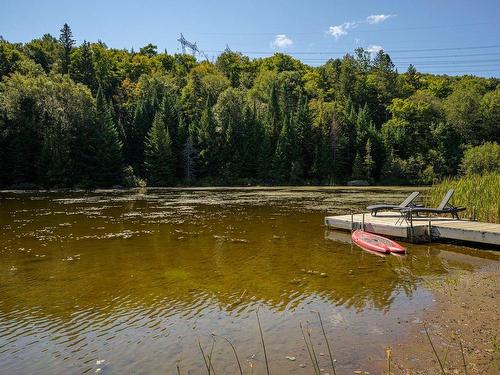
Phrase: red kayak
{"type": "Point", "coordinates": [373, 242]}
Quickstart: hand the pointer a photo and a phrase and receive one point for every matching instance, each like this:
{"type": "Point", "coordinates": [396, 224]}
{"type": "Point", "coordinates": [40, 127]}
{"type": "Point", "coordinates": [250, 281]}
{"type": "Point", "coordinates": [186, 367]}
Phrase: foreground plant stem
{"type": "Point", "coordinates": [263, 344]}
{"type": "Point", "coordinates": [434, 350]}
{"type": "Point", "coordinates": [327, 344]}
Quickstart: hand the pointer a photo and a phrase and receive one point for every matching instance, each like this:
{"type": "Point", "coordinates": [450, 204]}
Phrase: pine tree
{"type": "Point", "coordinates": [282, 161]}
{"type": "Point", "coordinates": [190, 158]}
{"type": "Point", "coordinates": [171, 118]}
{"type": "Point", "coordinates": [412, 77]}
{"type": "Point", "coordinates": [253, 135]}
{"type": "Point", "coordinates": [342, 160]}
{"type": "Point", "coordinates": [55, 159]}
{"type": "Point", "coordinates": [137, 130]}
{"type": "Point", "coordinates": [358, 167]}
{"type": "Point", "coordinates": [274, 113]}
{"type": "Point", "coordinates": [158, 159]}
{"type": "Point", "coordinates": [303, 136]}
{"type": "Point", "coordinates": [67, 42]}
{"type": "Point", "coordinates": [368, 162]}
{"type": "Point", "coordinates": [107, 168]}
{"type": "Point", "coordinates": [209, 143]}
{"type": "Point", "coordinates": [232, 156]}
{"type": "Point", "coordinates": [363, 124]}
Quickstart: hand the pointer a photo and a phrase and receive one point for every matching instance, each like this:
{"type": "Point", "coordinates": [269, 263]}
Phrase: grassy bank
{"type": "Point", "coordinates": [479, 193]}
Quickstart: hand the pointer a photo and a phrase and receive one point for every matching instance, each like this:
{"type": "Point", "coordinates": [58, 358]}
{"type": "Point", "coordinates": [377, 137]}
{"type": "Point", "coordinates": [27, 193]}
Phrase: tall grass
{"type": "Point", "coordinates": [480, 194]}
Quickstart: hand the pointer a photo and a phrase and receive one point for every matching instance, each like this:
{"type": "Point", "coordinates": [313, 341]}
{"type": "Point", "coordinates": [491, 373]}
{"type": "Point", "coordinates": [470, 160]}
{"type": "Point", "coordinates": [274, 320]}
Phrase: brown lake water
{"type": "Point", "coordinates": [120, 282]}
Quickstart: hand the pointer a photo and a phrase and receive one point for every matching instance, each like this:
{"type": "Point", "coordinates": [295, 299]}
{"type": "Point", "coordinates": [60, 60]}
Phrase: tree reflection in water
{"type": "Point", "coordinates": [135, 277]}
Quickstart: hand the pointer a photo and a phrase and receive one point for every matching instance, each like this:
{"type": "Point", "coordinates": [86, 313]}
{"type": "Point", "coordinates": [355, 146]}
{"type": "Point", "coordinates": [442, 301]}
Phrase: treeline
{"type": "Point", "coordinates": [89, 115]}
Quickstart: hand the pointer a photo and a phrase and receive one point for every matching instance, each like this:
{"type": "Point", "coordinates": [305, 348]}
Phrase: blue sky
{"type": "Point", "coordinates": [442, 36]}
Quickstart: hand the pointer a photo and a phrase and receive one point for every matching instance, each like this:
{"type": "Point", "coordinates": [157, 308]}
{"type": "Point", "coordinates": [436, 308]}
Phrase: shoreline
{"type": "Point", "coordinates": [215, 187]}
{"type": "Point", "coordinates": [466, 309]}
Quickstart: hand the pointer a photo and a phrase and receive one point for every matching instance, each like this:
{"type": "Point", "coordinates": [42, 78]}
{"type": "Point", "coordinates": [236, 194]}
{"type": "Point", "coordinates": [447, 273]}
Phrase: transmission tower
{"type": "Point", "coordinates": [227, 49]}
{"type": "Point", "coordinates": [185, 44]}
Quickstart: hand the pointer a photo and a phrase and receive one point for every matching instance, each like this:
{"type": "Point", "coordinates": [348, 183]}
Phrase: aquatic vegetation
{"type": "Point", "coordinates": [316, 366]}
{"type": "Point", "coordinates": [480, 194]}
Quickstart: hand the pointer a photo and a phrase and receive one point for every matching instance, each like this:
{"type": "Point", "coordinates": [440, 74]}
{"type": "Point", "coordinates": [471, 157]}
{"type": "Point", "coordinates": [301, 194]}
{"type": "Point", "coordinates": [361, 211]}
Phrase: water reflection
{"type": "Point", "coordinates": [135, 277]}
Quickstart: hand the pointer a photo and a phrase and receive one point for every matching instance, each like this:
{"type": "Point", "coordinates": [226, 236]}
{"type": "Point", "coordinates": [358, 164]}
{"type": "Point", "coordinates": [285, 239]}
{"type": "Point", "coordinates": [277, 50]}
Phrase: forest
{"type": "Point", "coordinates": [92, 116]}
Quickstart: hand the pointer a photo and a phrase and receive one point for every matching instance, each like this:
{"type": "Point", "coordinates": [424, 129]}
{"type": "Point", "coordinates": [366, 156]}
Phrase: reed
{"type": "Point", "coordinates": [434, 350]}
{"type": "Point", "coordinates": [210, 364]}
{"type": "Point", "coordinates": [463, 357]}
{"type": "Point", "coordinates": [234, 351]}
{"type": "Point", "coordinates": [263, 343]}
{"type": "Point", "coordinates": [327, 344]}
{"type": "Point", "coordinates": [316, 370]}
{"type": "Point", "coordinates": [480, 194]}
{"type": "Point", "coordinates": [204, 357]}
{"type": "Point", "coordinates": [307, 336]}
{"type": "Point", "coordinates": [312, 348]}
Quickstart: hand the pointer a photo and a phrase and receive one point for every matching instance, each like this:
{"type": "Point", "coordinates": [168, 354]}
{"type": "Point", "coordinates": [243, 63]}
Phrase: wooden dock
{"type": "Point", "coordinates": [421, 229]}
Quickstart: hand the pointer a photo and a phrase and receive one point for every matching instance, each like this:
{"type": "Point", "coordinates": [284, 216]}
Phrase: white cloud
{"type": "Point", "coordinates": [377, 18]}
{"type": "Point", "coordinates": [340, 30]}
{"type": "Point", "coordinates": [281, 41]}
{"type": "Point", "coordinates": [374, 49]}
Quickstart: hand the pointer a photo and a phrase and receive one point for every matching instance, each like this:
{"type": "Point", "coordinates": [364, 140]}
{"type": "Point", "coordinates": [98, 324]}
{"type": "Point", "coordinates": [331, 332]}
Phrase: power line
{"type": "Point", "coordinates": [344, 53]}
{"type": "Point", "coordinates": [396, 61]}
{"type": "Point", "coordinates": [423, 57]}
{"type": "Point", "coordinates": [464, 70]}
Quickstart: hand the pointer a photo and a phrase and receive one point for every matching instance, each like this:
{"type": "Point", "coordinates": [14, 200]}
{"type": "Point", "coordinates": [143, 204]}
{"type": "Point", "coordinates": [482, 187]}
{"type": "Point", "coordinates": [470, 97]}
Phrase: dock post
{"type": "Point", "coordinates": [363, 225]}
{"type": "Point", "coordinates": [352, 222]}
{"type": "Point", "coordinates": [430, 231]}
{"type": "Point", "coordinates": [411, 226]}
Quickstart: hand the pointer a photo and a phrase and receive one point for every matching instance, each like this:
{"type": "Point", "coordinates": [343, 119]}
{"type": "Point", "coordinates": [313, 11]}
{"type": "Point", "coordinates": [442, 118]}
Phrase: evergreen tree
{"type": "Point", "coordinates": [23, 144]}
{"type": "Point", "coordinates": [107, 160]}
{"type": "Point", "coordinates": [368, 162]}
{"type": "Point", "coordinates": [55, 161]}
{"type": "Point", "coordinates": [343, 137]}
{"type": "Point", "coordinates": [252, 142]}
{"type": "Point", "coordinates": [190, 158]}
{"type": "Point", "coordinates": [208, 143]}
{"type": "Point", "coordinates": [137, 130]}
{"type": "Point", "coordinates": [275, 119]}
{"type": "Point", "coordinates": [67, 42]}
{"type": "Point", "coordinates": [159, 159]}
{"type": "Point", "coordinates": [171, 118]}
{"type": "Point", "coordinates": [303, 137]}
{"type": "Point", "coordinates": [363, 124]}
{"type": "Point", "coordinates": [358, 167]}
{"type": "Point", "coordinates": [283, 156]}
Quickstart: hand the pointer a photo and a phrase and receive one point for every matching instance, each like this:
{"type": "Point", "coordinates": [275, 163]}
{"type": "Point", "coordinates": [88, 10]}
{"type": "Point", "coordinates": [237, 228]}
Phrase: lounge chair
{"type": "Point", "coordinates": [406, 203]}
{"type": "Point", "coordinates": [444, 208]}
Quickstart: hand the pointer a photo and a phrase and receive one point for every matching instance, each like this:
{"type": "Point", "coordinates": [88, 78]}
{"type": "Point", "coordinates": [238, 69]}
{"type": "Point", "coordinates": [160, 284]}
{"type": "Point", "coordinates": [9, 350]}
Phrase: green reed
{"type": "Point", "coordinates": [263, 343]}
{"type": "Point", "coordinates": [480, 194]}
{"type": "Point", "coordinates": [434, 351]}
{"type": "Point", "coordinates": [327, 344]}
{"type": "Point", "coordinates": [307, 336]}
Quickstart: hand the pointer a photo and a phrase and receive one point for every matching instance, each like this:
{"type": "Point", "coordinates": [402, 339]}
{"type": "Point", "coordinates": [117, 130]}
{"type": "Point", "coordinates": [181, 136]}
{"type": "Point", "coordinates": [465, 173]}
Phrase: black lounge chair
{"type": "Point", "coordinates": [379, 207]}
{"type": "Point", "coordinates": [444, 208]}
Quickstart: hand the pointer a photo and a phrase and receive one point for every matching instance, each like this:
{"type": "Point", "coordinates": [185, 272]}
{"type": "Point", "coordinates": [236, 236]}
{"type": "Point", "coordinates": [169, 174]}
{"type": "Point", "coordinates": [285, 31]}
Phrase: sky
{"type": "Point", "coordinates": [439, 36]}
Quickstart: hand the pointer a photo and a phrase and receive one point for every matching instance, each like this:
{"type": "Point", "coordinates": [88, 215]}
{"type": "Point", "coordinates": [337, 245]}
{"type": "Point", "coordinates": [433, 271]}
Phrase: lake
{"type": "Point", "coordinates": [132, 281]}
